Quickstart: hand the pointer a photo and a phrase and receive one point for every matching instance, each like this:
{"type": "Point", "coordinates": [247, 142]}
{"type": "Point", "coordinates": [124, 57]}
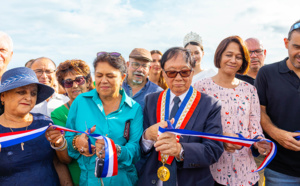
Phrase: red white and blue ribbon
{"type": "Point", "coordinates": [110, 161]}
{"type": "Point", "coordinates": [227, 139]}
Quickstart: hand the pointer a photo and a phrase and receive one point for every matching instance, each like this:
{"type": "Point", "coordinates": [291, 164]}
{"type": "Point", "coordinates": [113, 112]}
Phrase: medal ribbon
{"type": "Point", "coordinates": [183, 114]}
{"type": "Point", "coordinates": [110, 161]}
{"type": "Point", "coordinates": [226, 139]}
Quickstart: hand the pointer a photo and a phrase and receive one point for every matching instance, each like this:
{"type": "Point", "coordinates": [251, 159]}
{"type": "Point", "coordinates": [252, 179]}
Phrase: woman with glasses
{"type": "Point", "coordinates": [155, 72]}
{"type": "Point", "coordinates": [108, 111]}
{"type": "Point", "coordinates": [75, 77]}
{"type": "Point", "coordinates": [240, 114]}
{"type": "Point", "coordinates": [193, 42]}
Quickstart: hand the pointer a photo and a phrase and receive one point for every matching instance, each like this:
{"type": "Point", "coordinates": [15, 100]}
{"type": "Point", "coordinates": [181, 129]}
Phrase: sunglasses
{"type": "Point", "coordinates": [69, 83]}
{"type": "Point", "coordinates": [183, 73]}
{"type": "Point", "coordinates": [114, 54]}
{"type": "Point", "coordinates": [294, 27]}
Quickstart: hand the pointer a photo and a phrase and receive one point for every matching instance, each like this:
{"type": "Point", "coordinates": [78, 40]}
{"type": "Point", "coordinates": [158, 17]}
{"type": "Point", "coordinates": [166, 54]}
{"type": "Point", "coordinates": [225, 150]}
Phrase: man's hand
{"type": "Point", "coordinates": [152, 132]}
{"type": "Point", "coordinates": [286, 139]}
{"type": "Point", "coordinates": [167, 144]}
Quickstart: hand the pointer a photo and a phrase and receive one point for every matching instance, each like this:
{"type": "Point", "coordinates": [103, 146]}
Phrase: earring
{"type": "Point", "coordinates": [2, 102]}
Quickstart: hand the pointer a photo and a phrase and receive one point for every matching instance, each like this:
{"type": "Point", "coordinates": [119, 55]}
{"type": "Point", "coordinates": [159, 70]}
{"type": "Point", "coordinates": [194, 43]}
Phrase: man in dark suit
{"type": "Point", "coordinates": [188, 109]}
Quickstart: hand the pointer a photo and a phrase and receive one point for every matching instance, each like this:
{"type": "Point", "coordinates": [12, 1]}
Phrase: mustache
{"type": "Point", "coordinates": [138, 73]}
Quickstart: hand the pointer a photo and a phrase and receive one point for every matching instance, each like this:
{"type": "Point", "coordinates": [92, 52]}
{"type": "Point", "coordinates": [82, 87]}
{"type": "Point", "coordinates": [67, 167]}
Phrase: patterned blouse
{"type": "Point", "coordinates": [240, 114]}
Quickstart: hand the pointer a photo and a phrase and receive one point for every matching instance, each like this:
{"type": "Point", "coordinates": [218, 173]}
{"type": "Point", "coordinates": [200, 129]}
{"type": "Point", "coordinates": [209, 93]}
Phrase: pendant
{"type": "Point", "coordinates": [22, 146]}
{"type": "Point", "coordinates": [163, 173]}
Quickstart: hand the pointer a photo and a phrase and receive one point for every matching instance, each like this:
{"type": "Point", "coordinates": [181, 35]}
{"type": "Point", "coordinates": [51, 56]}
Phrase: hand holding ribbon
{"type": "Point", "coordinates": [83, 144]}
{"type": "Point", "coordinates": [54, 136]}
{"type": "Point", "coordinates": [227, 139]}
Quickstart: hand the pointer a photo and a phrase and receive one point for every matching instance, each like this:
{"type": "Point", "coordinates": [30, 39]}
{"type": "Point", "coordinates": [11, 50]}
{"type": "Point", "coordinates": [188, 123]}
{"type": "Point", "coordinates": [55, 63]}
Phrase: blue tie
{"type": "Point", "coordinates": [173, 167]}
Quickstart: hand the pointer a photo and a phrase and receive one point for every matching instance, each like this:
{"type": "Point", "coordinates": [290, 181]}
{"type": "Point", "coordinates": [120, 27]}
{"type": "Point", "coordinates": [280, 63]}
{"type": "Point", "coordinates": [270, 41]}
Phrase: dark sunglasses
{"type": "Point", "coordinates": [69, 83]}
{"type": "Point", "coordinates": [183, 73]}
{"type": "Point", "coordinates": [114, 54]}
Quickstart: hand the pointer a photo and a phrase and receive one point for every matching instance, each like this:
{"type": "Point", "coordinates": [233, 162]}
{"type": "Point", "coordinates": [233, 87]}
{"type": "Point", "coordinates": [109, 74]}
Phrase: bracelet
{"type": "Point", "coordinates": [62, 147]}
{"type": "Point", "coordinates": [118, 148]}
{"type": "Point", "coordinates": [73, 143]}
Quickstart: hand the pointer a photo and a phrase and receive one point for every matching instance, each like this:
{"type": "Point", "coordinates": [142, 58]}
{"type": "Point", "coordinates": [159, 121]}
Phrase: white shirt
{"type": "Point", "coordinates": [54, 102]}
{"type": "Point", "coordinates": [147, 144]}
{"type": "Point", "coordinates": [204, 74]}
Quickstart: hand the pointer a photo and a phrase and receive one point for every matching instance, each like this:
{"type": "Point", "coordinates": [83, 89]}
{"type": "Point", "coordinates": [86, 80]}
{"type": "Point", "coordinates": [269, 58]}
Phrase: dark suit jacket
{"type": "Point", "coordinates": [199, 153]}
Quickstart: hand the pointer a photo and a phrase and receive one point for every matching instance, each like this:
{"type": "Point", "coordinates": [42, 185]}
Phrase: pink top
{"type": "Point", "coordinates": [240, 113]}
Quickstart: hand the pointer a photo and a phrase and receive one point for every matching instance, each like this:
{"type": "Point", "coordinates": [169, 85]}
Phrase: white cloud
{"type": "Point", "coordinates": [71, 29]}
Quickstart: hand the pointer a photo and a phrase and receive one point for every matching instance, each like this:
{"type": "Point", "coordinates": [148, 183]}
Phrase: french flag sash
{"type": "Point", "coordinates": [227, 139]}
{"type": "Point", "coordinates": [110, 161]}
{"type": "Point", "coordinates": [182, 116]}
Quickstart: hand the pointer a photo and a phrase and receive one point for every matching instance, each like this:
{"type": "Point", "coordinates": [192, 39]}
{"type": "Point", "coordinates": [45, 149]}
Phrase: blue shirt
{"type": "Point", "coordinates": [85, 112]}
{"type": "Point", "coordinates": [139, 97]}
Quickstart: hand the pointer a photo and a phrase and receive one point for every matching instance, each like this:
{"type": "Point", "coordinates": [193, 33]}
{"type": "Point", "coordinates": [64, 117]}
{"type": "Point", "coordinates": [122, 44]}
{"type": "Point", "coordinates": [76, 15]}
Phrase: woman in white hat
{"type": "Point", "coordinates": [30, 162]}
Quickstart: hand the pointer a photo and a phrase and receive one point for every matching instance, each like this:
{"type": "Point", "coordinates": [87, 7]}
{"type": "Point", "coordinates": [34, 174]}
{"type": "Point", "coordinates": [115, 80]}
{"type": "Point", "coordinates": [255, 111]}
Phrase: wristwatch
{"type": "Point", "coordinates": [118, 147]}
{"type": "Point", "coordinates": [181, 155]}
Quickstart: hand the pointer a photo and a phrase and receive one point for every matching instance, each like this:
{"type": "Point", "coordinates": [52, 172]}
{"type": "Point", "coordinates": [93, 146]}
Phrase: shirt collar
{"type": "Point", "coordinates": [181, 97]}
{"type": "Point", "coordinates": [283, 68]}
{"type": "Point", "coordinates": [125, 98]}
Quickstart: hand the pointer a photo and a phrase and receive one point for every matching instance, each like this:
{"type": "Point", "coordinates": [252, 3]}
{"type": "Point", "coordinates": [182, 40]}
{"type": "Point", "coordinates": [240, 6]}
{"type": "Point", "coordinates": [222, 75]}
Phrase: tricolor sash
{"type": "Point", "coordinates": [227, 139]}
{"type": "Point", "coordinates": [182, 116]}
{"type": "Point", "coordinates": [110, 161]}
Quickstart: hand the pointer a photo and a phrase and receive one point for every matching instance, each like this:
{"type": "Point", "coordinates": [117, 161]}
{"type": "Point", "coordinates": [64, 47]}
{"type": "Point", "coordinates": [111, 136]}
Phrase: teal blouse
{"type": "Point", "coordinates": [85, 112]}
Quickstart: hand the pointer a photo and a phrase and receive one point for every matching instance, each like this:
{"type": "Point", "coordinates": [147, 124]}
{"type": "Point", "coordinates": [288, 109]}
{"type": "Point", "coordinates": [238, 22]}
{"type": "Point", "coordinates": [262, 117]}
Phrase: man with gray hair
{"type": "Point", "coordinates": [6, 51]}
{"type": "Point", "coordinates": [257, 57]}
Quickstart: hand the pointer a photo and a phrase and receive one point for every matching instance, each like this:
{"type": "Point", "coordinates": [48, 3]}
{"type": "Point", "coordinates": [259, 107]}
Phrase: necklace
{"type": "Point", "coordinates": [22, 144]}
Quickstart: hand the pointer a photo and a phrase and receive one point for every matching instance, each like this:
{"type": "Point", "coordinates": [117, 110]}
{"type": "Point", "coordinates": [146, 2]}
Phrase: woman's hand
{"type": "Point", "coordinates": [152, 132]}
{"type": "Point", "coordinates": [263, 147]}
{"type": "Point", "coordinates": [231, 147]}
{"type": "Point", "coordinates": [167, 144]}
{"type": "Point", "coordinates": [82, 144]}
{"type": "Point", "coordinates": [100, 148]}
{"type": "Point", "coordinates": [55, 137]}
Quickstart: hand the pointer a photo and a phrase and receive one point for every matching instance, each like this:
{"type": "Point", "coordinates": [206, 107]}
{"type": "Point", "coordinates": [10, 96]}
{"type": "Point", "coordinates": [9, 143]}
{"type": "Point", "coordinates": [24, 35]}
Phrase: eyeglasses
{"type": "Point", "coordinates": [114, 54]}
{"type": "Point", "coordinates": [40, 72]}
{"type": "Point", "coordinates": [183, 73]}
{"type": "Point", "coordinates": [137, 65]}
{"type": "Point", "coordinates": [68, 83]}
{"type": "Point", "coordinates": [256, 52]}
{"type": "Point", "coordinates": [294, 27]}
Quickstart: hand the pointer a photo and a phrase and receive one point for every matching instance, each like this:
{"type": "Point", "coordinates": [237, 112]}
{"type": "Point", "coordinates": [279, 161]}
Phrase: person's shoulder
{"type": "Point", "coordinates": [154, 87]}
{"type": "Point", "coordinates": [41, 118]}
{"type": "Point", "coordinates": [58, 110]}
{"type": "Point", "coordinates": [270, 67]}
{"type": "Point", "coordinates": [208, 100]}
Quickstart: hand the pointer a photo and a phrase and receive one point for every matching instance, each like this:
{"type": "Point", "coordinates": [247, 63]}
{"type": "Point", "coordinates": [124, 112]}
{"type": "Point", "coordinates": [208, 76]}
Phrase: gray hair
{"type": "Point", "coordinates": [9, 40]}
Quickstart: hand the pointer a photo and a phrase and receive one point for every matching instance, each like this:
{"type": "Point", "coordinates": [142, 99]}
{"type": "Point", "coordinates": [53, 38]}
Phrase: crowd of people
{"type": "Point", "coordinates": [128, 102]}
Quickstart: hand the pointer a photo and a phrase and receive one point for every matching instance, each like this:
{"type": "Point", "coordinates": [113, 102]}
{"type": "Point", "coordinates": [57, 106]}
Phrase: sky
{"type": "Point", "coordinates": [78, 29]}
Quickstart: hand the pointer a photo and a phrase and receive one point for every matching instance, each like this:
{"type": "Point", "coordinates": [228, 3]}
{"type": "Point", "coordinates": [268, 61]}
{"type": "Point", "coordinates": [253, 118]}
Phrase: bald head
{"type": "Point", "coordinates": [6, 51]}
{"type": "Point", "coordinates": [257, 55]}
{"type": "Point", "coordinates": [44, 69]}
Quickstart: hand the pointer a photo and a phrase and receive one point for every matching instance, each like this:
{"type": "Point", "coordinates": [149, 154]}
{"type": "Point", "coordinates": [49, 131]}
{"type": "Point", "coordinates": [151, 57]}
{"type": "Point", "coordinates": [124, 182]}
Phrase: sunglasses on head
{"type": "Point", "coordinates": [68, 83]}
{"type": "Point", "coordinates": [114, 54]}
{"type": "Point", "coordinates": [183, 73]}
{"type": "Point", "coordinates": [294, 27]}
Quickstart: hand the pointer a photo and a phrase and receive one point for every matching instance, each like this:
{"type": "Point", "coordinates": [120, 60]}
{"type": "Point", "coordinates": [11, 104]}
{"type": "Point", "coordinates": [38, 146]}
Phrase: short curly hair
{"type": "Point", "coordinates": [74, 66]}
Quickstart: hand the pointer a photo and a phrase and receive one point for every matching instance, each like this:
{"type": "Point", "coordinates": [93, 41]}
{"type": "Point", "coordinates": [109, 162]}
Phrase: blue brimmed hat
{"type": "Point", "coordinates": [22, 76]}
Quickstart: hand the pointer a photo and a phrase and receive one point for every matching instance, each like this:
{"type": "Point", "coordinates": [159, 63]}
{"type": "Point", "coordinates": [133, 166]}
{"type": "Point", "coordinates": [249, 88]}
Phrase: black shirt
{"type": "Point", "coordinates": [245, 78]}
{"type": "Point", "coordinates": [278, 89]}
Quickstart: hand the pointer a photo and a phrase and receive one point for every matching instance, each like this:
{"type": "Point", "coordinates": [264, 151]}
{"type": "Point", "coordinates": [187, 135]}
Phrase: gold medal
{"type": "Point", "coordinates": [163, 173]}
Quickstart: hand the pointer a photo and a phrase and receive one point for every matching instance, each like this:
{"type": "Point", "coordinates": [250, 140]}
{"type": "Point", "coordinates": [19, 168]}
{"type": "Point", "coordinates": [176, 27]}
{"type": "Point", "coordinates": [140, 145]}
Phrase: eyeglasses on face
{"type": "Point", "coordinates": [68, 83]}
{"type": "Point", "coordinates": [137, 65]}
{"type": "Point", "coordinates": [183, 73]}
{"type": "Point", "coordinates": [256, 52]}
{"type": "Point", "coordinates": [40, 72]}
{"type": "Point", "coordinates": [114, 54]}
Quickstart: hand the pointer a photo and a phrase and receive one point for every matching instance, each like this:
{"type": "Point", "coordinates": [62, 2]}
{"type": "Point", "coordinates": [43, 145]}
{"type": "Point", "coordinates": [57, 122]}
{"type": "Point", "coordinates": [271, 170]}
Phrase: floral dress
{"type": "Point", "coordinates": [240, 114]}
